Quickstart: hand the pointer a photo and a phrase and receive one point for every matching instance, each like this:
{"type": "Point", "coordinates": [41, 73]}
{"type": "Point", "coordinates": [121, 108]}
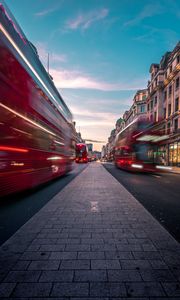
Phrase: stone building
{"type": "Point", "coordinates": [138, 108]}
{"type": "Point", "coordinates": [163, 107]}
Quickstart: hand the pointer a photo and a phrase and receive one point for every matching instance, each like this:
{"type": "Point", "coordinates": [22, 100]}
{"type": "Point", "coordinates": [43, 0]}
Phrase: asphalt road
{"type": "Point", "coordinates": [158, 193]}
{"type": "Point", "coordinates": [17, 209]}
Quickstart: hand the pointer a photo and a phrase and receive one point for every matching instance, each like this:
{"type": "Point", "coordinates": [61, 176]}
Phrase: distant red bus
{"type": "Point", "coordinates": [81, 153]}
{"type": "Point", "coordinates": [36, 129]}
{"type": "Point", "coordinates": [136, 145]}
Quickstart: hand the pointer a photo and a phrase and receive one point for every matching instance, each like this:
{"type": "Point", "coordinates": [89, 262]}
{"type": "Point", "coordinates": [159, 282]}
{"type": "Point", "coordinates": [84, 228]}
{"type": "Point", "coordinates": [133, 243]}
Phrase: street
{"type": "Point", "coordinates": [158, 193]}
{"type": "Point", "coordinates": [17, 209]}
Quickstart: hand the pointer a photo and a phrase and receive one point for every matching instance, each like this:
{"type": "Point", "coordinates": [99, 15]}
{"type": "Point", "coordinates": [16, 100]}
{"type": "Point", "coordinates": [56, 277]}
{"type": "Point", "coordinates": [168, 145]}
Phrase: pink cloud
{"type": "Point", "coordinates": [78, 80]}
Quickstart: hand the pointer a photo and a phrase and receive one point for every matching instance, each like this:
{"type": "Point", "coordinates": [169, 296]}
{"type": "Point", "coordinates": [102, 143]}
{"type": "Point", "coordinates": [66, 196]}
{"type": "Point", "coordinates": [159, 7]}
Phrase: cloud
{"type": "Point", "coordinates": [84, 21]}
{"type": "Point", "coordinates": [89, 117]}
{"type": "Point", "coordinates": [148, 11]}
{"type": "Point", "coordinates": [48, 11]}
{"type": "Point", "coordinates": [71, 79]}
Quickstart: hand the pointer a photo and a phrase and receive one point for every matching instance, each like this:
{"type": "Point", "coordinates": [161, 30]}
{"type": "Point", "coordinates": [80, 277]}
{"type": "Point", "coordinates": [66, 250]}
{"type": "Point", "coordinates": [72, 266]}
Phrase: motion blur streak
{"type": "Point", "coordinates": [27, 62]}
{"type": "Point", "coordinates": [36, 124]}
{"type": "Point", "coordinates": [4, 148]}
{"type": "Point", "coordinates": [163, 168]}
{"type": "Point", "coordinates": [27, 119]}
{"type": "Point", "coordinates": [54, 158]}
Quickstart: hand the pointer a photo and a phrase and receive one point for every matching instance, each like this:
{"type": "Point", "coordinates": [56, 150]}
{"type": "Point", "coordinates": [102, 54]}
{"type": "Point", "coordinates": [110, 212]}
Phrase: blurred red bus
{"type": "Point", "coordinates": [136, 145]}
{"type": "Point", "coordinates": [35, 123]}
{"type": "Point", "coordinates": [81, 153]}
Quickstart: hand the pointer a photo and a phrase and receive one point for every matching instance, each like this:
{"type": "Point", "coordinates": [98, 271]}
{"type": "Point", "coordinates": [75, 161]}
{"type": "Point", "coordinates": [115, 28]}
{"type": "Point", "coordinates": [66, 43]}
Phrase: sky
{"type": "Point", "coordinates": [100, 51]}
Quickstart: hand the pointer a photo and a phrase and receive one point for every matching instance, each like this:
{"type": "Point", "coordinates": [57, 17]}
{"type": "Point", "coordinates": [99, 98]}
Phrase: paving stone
{"type": "Point", "coordinates": [124, 275]}
{"type": "Point", "coordinates": [146, 255]}
{"type": "Point", "coordinates": [157, 275]}
{"type": "Point", "coordinates": [116, 241]}
{"type": "Point", "coordinates": [118, 255]}
{"type": "Point", "coordinates": [52, 247]}
{"type": "Point", "coordinates": [34, 255]}
{"type": "Point", "coordinates": [6, 289]}
{"type": "Point", "coordinates": [63, 255]}
{"type": "Point", "coordinates": [91, 255]}
{"type": "Point", "coordinates": [144, 289]}
{"type": "Point", "coordinates": [74, 289]}
{"type": "Point", "coordinates": [158, 264]}
{"type": "Point", "coordinates": [132, 298]}
{"type": "Point", "coordinates": [68, 241]}
{"type": "Point", "coordinates": [129, 247]}
{"type": "Point", "coordinates": [172, 288]}
{"type": "Point", "coordinates": [22, 276]}
{"type": "Point", "coordinates": [135, 264]}
{"type": "Point", "coordinates": [92, 241]}
{"type": "Point", "coordinates": [44, 242]}
{"type": "Point", "coordinates": [77, 247]}
{"type": "Point", "coordinates": [32, 290]}
{"type": "Point", "coordinates": [107, 289]}
{"type": "Point", "coordinates": [56, 276]}
{"type": "Point", "coordinates": [90, 275]}
{"type": "Point", "coordinates": [79, 235]}
{"type": "Point", "coordinates": [103, 247]}
{"type": "Point", "coordinates": [44, 265]}
{"type": "Point", "coordinates": [33, 248]}
{"type": "Point", "coordinates": [89, 298]}
{"type": "Point", "coordinates": [75, 264]}
{"type": "Point", "coordinates": [105, 264]}
{"type": "Point", "coordinates": [21, 265]}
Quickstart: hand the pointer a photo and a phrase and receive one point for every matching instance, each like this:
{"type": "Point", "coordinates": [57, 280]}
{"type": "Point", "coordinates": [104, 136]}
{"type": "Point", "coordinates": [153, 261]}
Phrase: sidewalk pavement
{"type": "Point", "coordinates": [92, 240]}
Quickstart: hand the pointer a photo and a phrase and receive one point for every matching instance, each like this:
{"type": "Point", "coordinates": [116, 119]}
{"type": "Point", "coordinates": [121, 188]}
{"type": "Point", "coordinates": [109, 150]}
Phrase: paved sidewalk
{"type": "Point", "coordinates": [93, 240]}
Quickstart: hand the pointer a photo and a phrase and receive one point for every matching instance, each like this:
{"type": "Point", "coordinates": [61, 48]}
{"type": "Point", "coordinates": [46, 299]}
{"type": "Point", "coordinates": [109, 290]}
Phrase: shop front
{"type": "Point", "coordinates": [174, 154]}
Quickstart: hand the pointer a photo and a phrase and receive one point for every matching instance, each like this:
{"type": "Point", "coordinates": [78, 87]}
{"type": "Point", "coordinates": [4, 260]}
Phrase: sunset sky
{"type": "Point", "coordinates": [100, 51]}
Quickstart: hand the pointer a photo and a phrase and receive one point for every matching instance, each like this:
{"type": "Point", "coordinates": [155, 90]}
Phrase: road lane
{"type": "Point", "coordinates": [158, 193]}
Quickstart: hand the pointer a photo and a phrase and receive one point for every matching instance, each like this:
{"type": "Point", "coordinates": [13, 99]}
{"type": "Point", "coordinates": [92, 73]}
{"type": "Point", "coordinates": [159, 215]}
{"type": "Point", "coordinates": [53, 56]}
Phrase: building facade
{"type": "Point", "coordinates": [163, 107]}
{"type": "Point", "coordinates": [138, 108]}
{"type": "Point", "coordinates": [160, 105]}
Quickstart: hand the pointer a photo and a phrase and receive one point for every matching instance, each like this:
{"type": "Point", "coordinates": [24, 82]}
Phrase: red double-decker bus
{"type": "Point", "coordinates": [35, 123]}
{"type": "Point", "coordinates": [136, 146]}
{"type": "Point", "coordinates": [81, 153]}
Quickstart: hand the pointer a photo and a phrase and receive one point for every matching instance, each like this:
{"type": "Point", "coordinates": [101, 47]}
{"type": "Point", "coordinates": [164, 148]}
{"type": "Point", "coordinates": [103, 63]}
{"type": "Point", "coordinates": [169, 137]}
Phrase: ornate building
{"type": "Point", "coordinates": [138, 108]}
{"type": "Point", "coordinates": [163, 107]}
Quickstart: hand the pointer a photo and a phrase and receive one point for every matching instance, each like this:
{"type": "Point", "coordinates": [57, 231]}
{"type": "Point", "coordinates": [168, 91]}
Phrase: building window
{"type": "Point", "coordinates": [176, 124]}
{"type": "Point", "coordinates": [164, 112]}
{"type": "Point", "coordinates": [178, 59]}
{"type": "Point", "coordinates": [170, 90]}
{"type": "Point", "coordinates": [176, 104]}
{"type": "Point", "coordinates": [155, 100]}
{"type": "Point", "coordinates": [142, 108]}
{"type": "Point", "coordinates": [165, 95]}
{"type": "Point", "coordinates": [151, 104]}
{"type": "Point", "coordinates": [169, 109]}
{"type": "Point", "coordinates": [170, 69]}
{"type": "Point", "coordinates": [177, 83]}
{"type": "Point", "coordinates": [155, 115]}
{"type": "Point", "coordinates": [168, 125]}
